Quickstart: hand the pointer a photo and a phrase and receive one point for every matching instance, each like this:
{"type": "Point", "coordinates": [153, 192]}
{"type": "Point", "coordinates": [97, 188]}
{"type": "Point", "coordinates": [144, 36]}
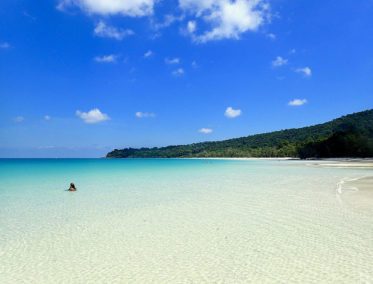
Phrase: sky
{"type": "Point", "coordinates": [79, 78]}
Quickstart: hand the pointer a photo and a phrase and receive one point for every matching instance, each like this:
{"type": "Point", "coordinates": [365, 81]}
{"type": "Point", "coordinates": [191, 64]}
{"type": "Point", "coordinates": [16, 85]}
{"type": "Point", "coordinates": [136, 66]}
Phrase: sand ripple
{"type": "Point", "coordinates": [235, 222]}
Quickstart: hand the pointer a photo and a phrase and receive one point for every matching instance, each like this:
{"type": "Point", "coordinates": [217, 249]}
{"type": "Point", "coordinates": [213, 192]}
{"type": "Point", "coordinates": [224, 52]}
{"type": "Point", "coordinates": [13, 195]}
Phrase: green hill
{"type": "Point", "coordinates": [347, 136]}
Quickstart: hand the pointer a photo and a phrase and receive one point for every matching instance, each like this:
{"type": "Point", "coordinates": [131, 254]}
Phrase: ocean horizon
{"type": "Point", "coordinates": [126, 128]}
{"type": "Point", "coordinates": [183, 221]}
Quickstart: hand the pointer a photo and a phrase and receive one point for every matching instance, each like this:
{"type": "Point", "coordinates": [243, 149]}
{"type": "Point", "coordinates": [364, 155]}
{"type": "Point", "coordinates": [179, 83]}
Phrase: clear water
{"type": "Point", "coordinates": [183, 221]}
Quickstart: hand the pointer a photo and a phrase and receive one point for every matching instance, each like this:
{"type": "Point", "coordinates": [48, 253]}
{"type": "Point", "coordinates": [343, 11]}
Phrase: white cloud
{"type": "Point", "coordinates": [219, 19]}
{"type": "Point", "coordinates": [19, 119]}
{"type": "Point", "coordinates": [4, 45]}
{"type": "Point", "coordinates": [271, 36]}
{"type": "Point", "coordinates": [279, 61]}
{"type": "Point", "coordinates": [191, 26]}
{"type": "Point", "coordinates": [92, 116]}
{"type": "Point", "coordinates": [232, 113]}
{"type": "Point", "coordinates": [306, 71]}
{"type": "Point", "coordinates": [178, 72]}
{"type": "Point", "coordinates": [111, 58]}
{"type": "Point", "coordinates": [297, 102]}
{"type": "Point", "coordinates": [194, 64]}
{"type": "Point", "coordinates": [227, 18]}
{"type": "Point", "coordinates": [148, 54]}
{"type": "Point", "coordinates": [205, 130]}
{"type": "Point", "coordinates": [103, 30]}
{"type": "Point", "coordinates": [132, 8]}
{"type": "Point", "coordinates": [168, 20]}
{"type": "Point", "coordinates": [47, 117]}
{"type": "Point", "coordinates": [172, 60]}
{"type": "Point", "coordinates": [141, 114]}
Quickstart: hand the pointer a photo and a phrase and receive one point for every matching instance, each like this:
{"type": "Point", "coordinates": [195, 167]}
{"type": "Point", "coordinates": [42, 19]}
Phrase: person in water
{"type": "Point", "coordinates": [72, 187]}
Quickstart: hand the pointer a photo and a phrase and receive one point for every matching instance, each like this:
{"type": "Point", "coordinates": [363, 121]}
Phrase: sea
{"type": "Point", "coordinates": [184, 221]}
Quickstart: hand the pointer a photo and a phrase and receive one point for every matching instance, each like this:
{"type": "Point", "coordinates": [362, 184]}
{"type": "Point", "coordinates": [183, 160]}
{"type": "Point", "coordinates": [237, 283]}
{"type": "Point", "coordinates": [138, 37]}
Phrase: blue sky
{"type": "Point", "coordinates": [81, 77]}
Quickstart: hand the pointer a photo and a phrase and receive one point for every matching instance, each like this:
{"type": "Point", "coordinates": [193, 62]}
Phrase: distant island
{"type": "Point", "coordinates": [347, 136]}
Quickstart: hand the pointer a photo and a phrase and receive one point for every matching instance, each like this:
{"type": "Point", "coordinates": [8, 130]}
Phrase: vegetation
{"type": "Point", "coordinates": [347, 136]}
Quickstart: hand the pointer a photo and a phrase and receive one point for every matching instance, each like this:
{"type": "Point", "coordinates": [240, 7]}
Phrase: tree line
{"type": "Point", "coordinates": [347, 136]}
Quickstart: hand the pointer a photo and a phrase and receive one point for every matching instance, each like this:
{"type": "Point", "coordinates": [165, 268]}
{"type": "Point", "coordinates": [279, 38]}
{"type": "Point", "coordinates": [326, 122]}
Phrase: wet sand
{"type": "Point", "coordinates": [357, 193]}
{"type": "Point", "coordinates": [342, 163]}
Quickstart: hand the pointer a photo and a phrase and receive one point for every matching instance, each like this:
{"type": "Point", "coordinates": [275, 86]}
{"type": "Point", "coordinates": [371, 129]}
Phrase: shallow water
{"type": "Point", "coordinates": [183, 221]}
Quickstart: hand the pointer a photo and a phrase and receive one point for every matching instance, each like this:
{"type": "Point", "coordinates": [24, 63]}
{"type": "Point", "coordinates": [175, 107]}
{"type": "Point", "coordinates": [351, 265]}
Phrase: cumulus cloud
{"type": "Point", "coordinates": [205, 130]}
{"type": "Point", "coordinates": [111, 58]}
{"type": "Point", "coordinates": [47, 117]}
{"type": "Point", "coordinates": [279, 61]}
{"type": "Point", "coordinates": [172, 60]}
{"type": "Point", "coordinates": [306, 71]}
{"type": "Point", "coordinates": [104, 30]}
{"type": "Point", "coordinates": [4, 45]}
{"type": "Point", "coordinates": [141, 114]}
{"type": "Point", "coordinates": [148, 54]}
{"type": "Point", "coordinates": [297, 102]}
{"type": "Point", "coordinates": [178, 72]}
{"type": "Point", "coordinates": [93, 116]}
{"type": "Point", "coordinates": [215, 19]}
{"type": "Point", "coordinates": [232, 113]}
{"type": "Point", "coordinates": [19, 119]}
{"type": "Point", "coordinates": [191, 26]}
{"type": "Point", "coordinates": [132, 8]}
{"type": "Point", "coordinates": [227, 18]}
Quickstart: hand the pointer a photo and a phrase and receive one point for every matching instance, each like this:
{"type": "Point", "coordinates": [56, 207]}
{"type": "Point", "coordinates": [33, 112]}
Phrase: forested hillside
{"type": "Point", "coordinates": [347, 136]}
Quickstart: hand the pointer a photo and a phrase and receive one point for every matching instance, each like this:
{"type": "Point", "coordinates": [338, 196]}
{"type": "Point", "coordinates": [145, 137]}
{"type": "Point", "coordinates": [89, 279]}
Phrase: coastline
{"type": "Point", "coordinates": [241, 159]}
{"type": "Point", "coordinates": [345, 163]}
{"type": "Point", "coordinates": [356, 193]}
{"type": "Point", "coordinates": [183, 216]}
{"type": "Point", "coordinates": [330, 162]}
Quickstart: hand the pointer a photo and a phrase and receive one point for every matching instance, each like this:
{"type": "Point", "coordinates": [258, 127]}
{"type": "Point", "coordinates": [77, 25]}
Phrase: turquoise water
{"type": "Point", "coordinates": [182, 221]}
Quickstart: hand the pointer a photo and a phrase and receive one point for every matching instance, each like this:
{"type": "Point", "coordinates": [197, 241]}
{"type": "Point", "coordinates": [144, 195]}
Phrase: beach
{"type": "Point", "coordinates": [345, 163]}
{"type": "Point", "coordinates": [185, 221]}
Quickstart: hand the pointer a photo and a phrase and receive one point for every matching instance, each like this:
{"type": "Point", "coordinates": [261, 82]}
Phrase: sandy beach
{"type": "Point", "coordinates": [357, 193]}
{"type": "Point", "coordinates": [343, 163]}
{"type": "Point", "coordinates": [332, 162]}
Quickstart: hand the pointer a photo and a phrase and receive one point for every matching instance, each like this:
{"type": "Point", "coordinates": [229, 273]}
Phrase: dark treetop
{"type": "Point", "coordinates": [347, 136]}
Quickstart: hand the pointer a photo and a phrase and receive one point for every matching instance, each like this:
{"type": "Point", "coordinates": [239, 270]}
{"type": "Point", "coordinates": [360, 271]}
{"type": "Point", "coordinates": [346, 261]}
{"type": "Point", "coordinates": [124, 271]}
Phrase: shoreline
{"type": "Point", "coordinates": [322, 162]}
{"type": "Point", "coordinates": [184, 214]}
{"type": "Point", "coordinates": [329, 162]}
{"type": "Point", "coordinates": [356, 192]}
{"type": "Point", "coordinates": [239, 158]}
{"type": "Point", "coordinates": [344, 163]}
